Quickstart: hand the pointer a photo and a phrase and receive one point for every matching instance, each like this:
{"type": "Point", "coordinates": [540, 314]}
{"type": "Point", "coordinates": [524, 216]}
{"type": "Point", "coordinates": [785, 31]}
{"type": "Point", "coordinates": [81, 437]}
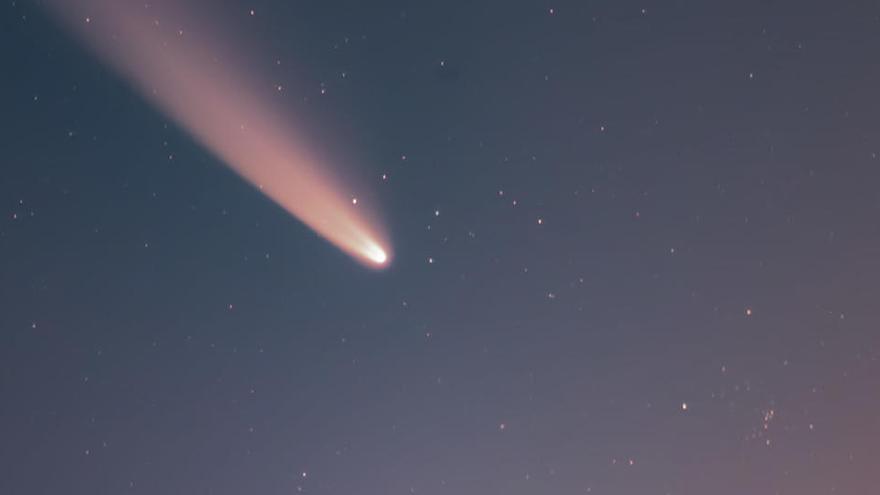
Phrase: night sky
{"type": "Point", "coordinates": [635, 251]}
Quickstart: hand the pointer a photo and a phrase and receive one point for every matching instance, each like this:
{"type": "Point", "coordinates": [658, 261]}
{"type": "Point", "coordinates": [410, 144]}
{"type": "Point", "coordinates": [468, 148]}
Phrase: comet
{"type": "Point", "coordinates": [189, 71]}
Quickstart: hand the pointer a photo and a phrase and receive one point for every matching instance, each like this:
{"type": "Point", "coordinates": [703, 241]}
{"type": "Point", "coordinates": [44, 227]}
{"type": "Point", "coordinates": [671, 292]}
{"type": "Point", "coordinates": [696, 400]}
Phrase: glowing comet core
{"type": "Point", "coordinates": [174, 61]}
{"type": "Point", "coordinates": [377, 255]}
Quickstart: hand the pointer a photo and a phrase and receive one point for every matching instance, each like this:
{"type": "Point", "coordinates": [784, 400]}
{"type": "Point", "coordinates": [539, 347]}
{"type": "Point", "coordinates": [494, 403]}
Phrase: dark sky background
{"type": "Point", "coordinates": [636, 252]}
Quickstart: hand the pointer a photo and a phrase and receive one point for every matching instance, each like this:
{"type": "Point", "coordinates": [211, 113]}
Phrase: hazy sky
{"type": "Point", "coordinates": [635, 251]}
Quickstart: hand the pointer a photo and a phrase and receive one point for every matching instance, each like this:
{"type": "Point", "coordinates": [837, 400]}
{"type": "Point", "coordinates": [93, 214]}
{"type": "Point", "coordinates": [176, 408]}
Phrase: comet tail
{"type": "Point", "coordinates": [171, 58]}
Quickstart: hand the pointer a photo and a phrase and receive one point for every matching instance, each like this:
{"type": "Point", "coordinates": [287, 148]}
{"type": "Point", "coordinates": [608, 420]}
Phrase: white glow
{"type": "Point", "coordinates": [376, 254]}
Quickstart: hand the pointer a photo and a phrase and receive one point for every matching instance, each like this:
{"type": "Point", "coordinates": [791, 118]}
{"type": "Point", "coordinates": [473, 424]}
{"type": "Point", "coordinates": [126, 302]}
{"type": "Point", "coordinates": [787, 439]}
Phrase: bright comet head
{"type": "Point", "coordinates": [376, 254]}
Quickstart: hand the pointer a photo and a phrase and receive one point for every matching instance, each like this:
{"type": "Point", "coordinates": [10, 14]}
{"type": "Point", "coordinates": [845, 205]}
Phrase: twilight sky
{"type": "Point", "coordinates": [635, 250]}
